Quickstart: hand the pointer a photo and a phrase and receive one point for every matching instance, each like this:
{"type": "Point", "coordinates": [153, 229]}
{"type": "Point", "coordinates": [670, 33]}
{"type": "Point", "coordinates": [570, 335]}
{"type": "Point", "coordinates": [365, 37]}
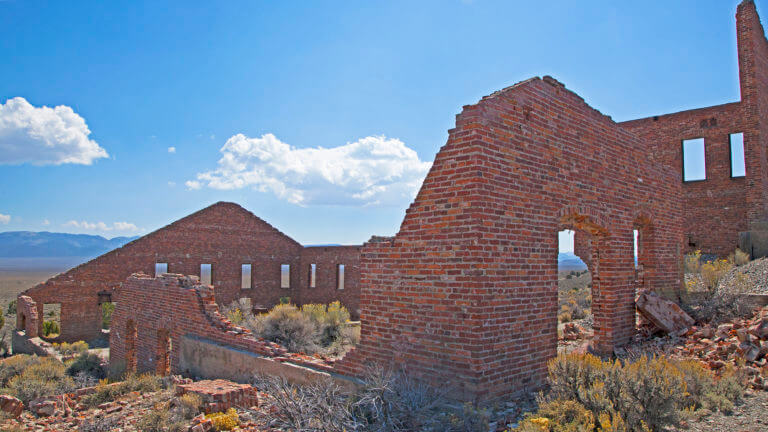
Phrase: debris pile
{"type": "Point", "coordinates": [220, 395]}
{"type": "Point", "coordinates": [741, 342]}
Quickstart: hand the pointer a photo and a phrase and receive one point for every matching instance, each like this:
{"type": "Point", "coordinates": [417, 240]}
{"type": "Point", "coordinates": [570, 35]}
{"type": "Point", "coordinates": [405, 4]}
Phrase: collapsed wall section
{"type": "Point", "coordinates": [155, 317]}
{"type": "Point", "coordinates": [465, 295]}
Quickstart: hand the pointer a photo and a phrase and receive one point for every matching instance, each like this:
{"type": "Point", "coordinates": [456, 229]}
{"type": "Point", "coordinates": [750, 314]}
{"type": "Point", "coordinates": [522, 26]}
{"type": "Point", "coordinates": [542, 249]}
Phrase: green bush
{"type": "Point", "coordinates": [330, 320]}
{"type": "Point", "coordinates": [67, 349]}
{"type": "Point", "coordinates": [11, 310]}
{"type": "Point", "coordinates": [51, 328]}
{"type": "Point", "coordinates": [107, 308]}
{"type": "Point", "coordinates": [48, 377]}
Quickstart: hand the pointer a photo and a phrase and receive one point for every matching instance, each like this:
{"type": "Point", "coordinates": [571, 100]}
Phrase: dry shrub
{"type": "Point", "coordinates": [286, 325]}
{"type": "Point", "coordinates": [88, 364]}
{"type": "Point", "coordinates": [187, 406]}
{"type": "Point", "coordinates": [740, 258]}
{"type": "Point", "coordinates": [160, 419]}
{"type": "Point", "coordinates": [310, 329]}
{"type": "Point", "coordinates": [15, 365]}
{"type": "Point", "coordinates": [649, 393]}
{"type": "Point", "coordinates": [712, 272]}
{"type": "Point", "coordinates": [692, 262]}
{"type": "Point", "coordinates": [45, 378]}
{"type": "Point", "coordinates": [386, 401]}
{"type": "Point", "coordinates": [722, 304]}
{"type": "Point", "coordinates": [105, 392]}
{"type": "Point", "coordinates": [171, 415]}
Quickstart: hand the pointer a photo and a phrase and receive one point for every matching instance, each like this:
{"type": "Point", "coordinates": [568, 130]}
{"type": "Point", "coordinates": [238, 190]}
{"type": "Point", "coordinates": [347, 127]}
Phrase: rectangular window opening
{"type": "Point", "coordinates": [312, 275]}
{"type": "Point", "coordinates": [205, 274]}
{"type": "Point", "coordinates": [161, 268]}
{"type": "Point", "coordinates": [635, 235]}
{"type": "Point", "coordinates": [245, 270]}
{"type": "Point", "coordinates": [340, 276]}
{"type": "Point", "coordinates": [694, 166]}
{"type": "Point", "coordinates": [285, 276]}
{"type": "Point", "coordinates": [51, 319]}
{"type": "Point", "coordinates": [738, 168]}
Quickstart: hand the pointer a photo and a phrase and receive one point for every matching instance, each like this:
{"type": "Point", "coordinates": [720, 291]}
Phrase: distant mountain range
{"type": "Point", "coordinates": [27, 249]}
{"type": "Point", "coordinates": [569, 261]}
{"type": "Point", "coordinates": [28, 244]}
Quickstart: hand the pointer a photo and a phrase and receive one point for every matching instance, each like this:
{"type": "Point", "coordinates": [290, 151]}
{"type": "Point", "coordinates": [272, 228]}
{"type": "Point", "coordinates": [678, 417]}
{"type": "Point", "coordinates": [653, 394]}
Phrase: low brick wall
{"type": "Point", "coordinates": [172, 324]}
{"type": "Point", "coordinates": [220, 395]}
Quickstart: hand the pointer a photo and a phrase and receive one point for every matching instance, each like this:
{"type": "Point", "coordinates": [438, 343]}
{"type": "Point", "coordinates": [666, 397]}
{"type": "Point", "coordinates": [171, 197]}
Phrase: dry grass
{"type": "Point", "coordinates": [574, 295]}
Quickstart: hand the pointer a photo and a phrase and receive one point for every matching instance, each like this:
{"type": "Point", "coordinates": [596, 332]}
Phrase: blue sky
{"type": "Point", "coordinates": [325, 115]}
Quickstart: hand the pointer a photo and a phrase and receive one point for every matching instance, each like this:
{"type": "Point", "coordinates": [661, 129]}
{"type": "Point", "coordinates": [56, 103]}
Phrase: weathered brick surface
{"type": "Point", "coordinates": [465, 295]}
{"type": "Point", "coordinates": [224, 235]}
{"type": "Point", "coordinates": [718, 208]}
{"type": "Point", "coordinates": [221, 395]}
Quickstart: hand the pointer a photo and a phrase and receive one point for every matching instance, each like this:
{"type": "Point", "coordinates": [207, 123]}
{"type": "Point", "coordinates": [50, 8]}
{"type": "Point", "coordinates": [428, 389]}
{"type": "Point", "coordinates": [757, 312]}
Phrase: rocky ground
{"type": "Point", "coordinates": [753, 275]}
{"type": "Point", "coordinates": [749, 416]}
{"type": "Point", "coordinates": [123, 414]}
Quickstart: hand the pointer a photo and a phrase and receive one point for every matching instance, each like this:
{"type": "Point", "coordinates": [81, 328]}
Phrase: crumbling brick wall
{"type": "Point", "coordinates": [154, 313]}
{"type": "Point", "coordinates": [224, 235]}
{"type": "Point", "coordinates": [27, 316]}
{"type": "Point", "coordinates": [465, 295]}
{"type": "Point", "coordinates": [719, 208]}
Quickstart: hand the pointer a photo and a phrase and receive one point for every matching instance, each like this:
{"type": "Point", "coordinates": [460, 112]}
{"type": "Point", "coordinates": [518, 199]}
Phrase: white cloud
{"type": "Point", "coordinates": [4, 218]}
{"type": "Point", "coordinates": [101, 226]}
{"type": "Point", "coordinates": [44, 136]}
{"type": "Point", "coordinates": [46, 222]}
{"type": "Point", "coordinates": [192, 184]}
{"type": "Point", "coordinates": [374, 170]}
{"type": "Point", "coordinates": [171, 183]}
{"type": "Point", "coordinates": [171, 149]}
{"type": "Point", "coordinates": [125, 226]}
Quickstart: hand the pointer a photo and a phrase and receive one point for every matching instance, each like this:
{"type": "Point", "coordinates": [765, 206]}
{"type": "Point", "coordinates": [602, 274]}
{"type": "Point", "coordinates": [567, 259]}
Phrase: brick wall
{"type": "Point", "coordinates": [224, 235]}
{"type": "Point", "coordinates": [327, 260]}
{"type": "Point", "coordinates": [718, 208]}
{"type": "Point", "coordinates": [154, 313]}
{"type": "Point", "coordinates": [465, 295]}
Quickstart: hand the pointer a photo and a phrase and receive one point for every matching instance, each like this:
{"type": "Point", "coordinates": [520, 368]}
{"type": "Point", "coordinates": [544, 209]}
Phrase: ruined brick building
{"type": "Point", "coordinates": [465, 294]}
{"type": "Point", "coordinates": [226, 245]}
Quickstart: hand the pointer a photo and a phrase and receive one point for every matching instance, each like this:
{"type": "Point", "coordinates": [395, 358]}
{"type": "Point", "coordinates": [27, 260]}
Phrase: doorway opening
{"type": "Point", "coordinates": [575, 322]}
